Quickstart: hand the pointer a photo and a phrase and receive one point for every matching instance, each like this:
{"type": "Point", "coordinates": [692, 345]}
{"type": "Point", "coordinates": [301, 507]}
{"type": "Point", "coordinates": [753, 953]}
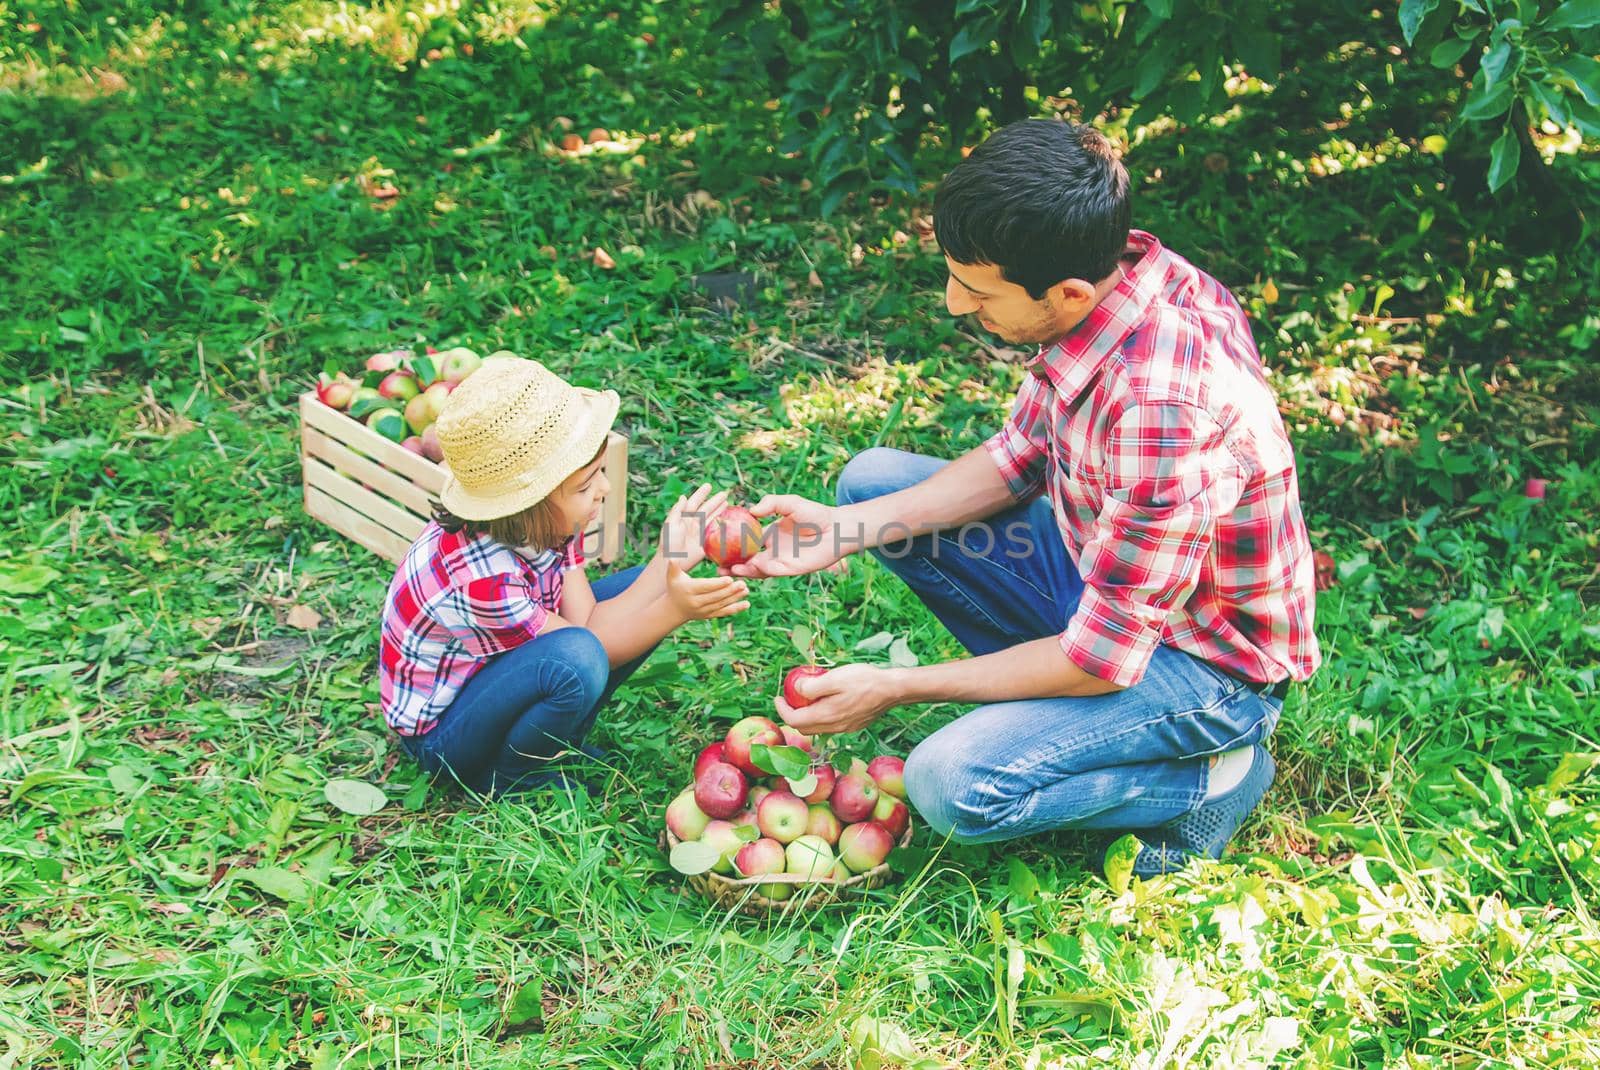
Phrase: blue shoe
{"type": "Point", "coordinates": [1204, 832]}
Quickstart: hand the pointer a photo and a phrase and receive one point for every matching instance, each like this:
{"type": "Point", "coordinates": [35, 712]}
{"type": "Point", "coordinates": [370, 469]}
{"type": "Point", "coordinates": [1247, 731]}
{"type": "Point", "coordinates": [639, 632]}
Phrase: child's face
{"type": "Point", "coordinates": [580, 495]}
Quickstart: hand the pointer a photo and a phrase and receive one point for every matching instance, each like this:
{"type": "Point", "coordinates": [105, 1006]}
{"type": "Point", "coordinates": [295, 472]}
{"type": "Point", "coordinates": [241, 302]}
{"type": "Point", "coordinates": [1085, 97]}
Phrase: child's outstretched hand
{"type": "Point", "coordinates": [683, 532]}
{"type": "Point", "coordinates": [703, 599]}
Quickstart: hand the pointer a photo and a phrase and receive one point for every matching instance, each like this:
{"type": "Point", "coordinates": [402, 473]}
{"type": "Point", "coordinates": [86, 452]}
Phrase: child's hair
{"type": "Point", "coordinates": [1043, 200]}
{"type": "Point", "coordinates": [540, 526]}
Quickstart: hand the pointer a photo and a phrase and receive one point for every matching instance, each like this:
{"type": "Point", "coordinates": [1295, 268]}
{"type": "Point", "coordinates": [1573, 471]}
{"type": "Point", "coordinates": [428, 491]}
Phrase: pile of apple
{"type": "Point", "coordinates": [400, 395]}
{"type": "Point", "coordinates": [745, 820]}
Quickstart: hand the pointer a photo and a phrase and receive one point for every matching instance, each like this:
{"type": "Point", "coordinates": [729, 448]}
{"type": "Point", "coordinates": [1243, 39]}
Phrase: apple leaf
{"type": "Point", "coordinates": [18, 577]}
{"type": "Point", "coordinates": [355, 796]}
{"type": "Point", "coordinates": [900, 655]}
{"type": "Point", "coordinates": [747, 833]}
{"type": "Point", "coordinates": [1119, 862]}
{"type": "Point", "coordinates": [366, 406]}
{"type": "Point", "coordinates": [692, 857]}
{"type": "Point", "coordinates": [525, 1014]}
{"type": "Point", "coordinates": [874, 643]}
{"type": "Point", "coordinates": [277, 882]}
{"type": "Point", "coordinates": [425, 370]}
{"type": "Point", "coordinates": [789, 762]}
{"type": "Point", "coordinates": [803, 638]}
{"type": "Point", "coordinates": [803, 786]}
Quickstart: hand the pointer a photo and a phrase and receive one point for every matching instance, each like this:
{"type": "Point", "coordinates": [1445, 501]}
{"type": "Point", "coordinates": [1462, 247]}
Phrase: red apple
{"type": "Point", "coordinates": [826, 778]}
{"type": "Point", "coordinates": [720, 790]}
{"type": "Point", "coordinates": [685, 819]}
{"type": "Point", "coordinates": [724, 837]}
{"type": "Point", "coordinates": [892, 814]}
{"type": "Point", "coordinates": [793, 737]}
{"type": "Point", "coordinates": [757, 793]}
{"type": "Point", "coordinates": [458, 363]}
{"type": "Point", "coordinates": [760, 858]}
{"type": "Point", "coordinates": [399, 385]}
{"type": "Point", "coordinates": [1535, 487]}
{"type": "Point", "coordinates": [337, 392]}
{"type": "Point", "coordinates": [430, 445]}
{"type": "Point", "coordinates": [809, 856]}
{"type": "Point", "coordinates": [571, 142]}
{"type": "Point", "coordinates": [387, 362]}
{"type": "Point", "coordinates": [745, 817]}
{"type": "Point", "coordinates": [820, 821]}
{"type": "Point", "coordinates": [732, 537]}
{"type": "Point", "coordinates": [414, 444]}
{"type": "Point", "coordinates": [782, 816]}
{"type": "Point", "coordinates": [712, 753]}
{"type": "Point", "coordinates": [840, 872]}
{"type": "Point", "coordinates": [853, 798]}
{"type": "Point", "coordinates": [746, 733]}
{"type": "Point", "coordinates": [865, 845]}
{"type": "Point", "coordinates": [791, 693]}
{"type": "Point", "coordinates": [889, 774]}
{"type": "Point", "coordinates": [599, 133]}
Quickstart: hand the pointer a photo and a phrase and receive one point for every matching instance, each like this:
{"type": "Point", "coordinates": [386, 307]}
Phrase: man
{"type": "Point", "coordinates": [1139, 593]}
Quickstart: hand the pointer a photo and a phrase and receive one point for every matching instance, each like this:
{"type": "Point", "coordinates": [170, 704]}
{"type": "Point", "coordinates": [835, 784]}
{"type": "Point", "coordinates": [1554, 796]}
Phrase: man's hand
{"type": "Point", "coordinates": [805, 538]}
{"type": "Point", "coordinates": [846, 699]}
{"type": "Point", "coordinates": [702, 599]}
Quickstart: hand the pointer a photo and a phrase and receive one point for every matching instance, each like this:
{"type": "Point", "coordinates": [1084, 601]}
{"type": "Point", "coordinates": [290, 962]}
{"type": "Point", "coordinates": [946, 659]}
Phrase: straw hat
{"type": "Point", "coordinates": [512, 431]}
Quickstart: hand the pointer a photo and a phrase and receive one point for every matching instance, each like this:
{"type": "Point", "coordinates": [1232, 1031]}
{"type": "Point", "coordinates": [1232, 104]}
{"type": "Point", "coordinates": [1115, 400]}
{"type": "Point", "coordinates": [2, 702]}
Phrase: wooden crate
{"type": "Point", "coordinates": [372, 490]}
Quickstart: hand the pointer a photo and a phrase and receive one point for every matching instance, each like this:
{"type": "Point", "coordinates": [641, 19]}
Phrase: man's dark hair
{"type": "Point", "coordinates": [1043, 200]}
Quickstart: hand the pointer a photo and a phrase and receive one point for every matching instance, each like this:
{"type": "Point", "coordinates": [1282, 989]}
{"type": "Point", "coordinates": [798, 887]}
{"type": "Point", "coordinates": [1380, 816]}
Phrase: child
{"type": "Point", "coordinates": [497, 654]}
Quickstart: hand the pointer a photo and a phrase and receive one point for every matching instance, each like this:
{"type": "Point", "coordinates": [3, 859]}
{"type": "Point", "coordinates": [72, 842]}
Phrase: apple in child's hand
{"type": "Point", "coordinates": [864, 845]}
{"type": "Point", "coordinates": [399, 386]}
{"type": "Point", "coordinates": [458, 363]}
{"type": "Point", "coordinates": [723, 836]}
{"type": "Point", "coordinates": [809, 856]}
{"type": "Point", "coordinates": [720, 790]}
{"type": "Point", "coordinates": [853, 797]}
{"type": "Point", "coordinates": [712, 753]}
{"type": "Point", "coordinates": [732, 537]}
{"type": "Point", "coordinates": [782, 815]}
{"type": "Point", "coordinates": [685, 819]}
{"type": "Point", "coordinates": [826, 778]}
{"type": "Point", "coordinates": [791, 692]}
{"type": "Point", "coordinates": [746, 733]}
{"type": "Point", "coordinates": [892, 814]}
{"type": "Point", "coordinates": [889, 773]}
{"type": "Point", "coordinates": [820, 821]}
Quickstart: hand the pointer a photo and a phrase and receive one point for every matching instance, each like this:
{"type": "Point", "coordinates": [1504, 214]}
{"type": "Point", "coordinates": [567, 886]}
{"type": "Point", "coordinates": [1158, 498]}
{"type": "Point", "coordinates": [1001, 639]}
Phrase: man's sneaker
{"type": "Point", "coordinates": [1204, 832]}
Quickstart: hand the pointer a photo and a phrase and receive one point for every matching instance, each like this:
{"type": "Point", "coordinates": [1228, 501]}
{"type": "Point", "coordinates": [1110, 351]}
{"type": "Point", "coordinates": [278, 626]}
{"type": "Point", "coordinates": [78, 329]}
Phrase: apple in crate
{"type": "Point", "coordinates": [809, 856]}
{"type": "Point", "coordinates": [892, 814]}
{"type": "Point", "coordinates": [746, 733]}
{"type": "Point", "coordinates": [413, 445]}
{"type": "Point", "coordinates": [760, 858]}
{"type": "Point", "coordinates": [387, 362]}
{"type": "Point", "coordinates": [456, 364]}
{"type": "Point", "coordinates": [430, 445]}
{"type": "Point", "coordinates": [889, 774]}
{"type": "Point", "coordinates": [795, 738]}
{"type": "Point", "coordinates": [826, 778]}
{"type": "Point", "coordinates": [685, 819]}
{"type": "Point", "coordinates": [821, 821]}
{"type": "Point", "coordinates": [864, 845]}
{"type": "Point", "coordinates": [399, 386]}
{"type": "Point", "coordinates": [782, 816]}
{"type": "Point", "coordinates": [336, 393]}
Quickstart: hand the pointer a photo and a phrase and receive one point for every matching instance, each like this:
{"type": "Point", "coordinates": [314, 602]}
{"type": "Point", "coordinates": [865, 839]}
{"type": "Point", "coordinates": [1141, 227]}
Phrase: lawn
{"type": "Point", "coordinates": [198, 214]}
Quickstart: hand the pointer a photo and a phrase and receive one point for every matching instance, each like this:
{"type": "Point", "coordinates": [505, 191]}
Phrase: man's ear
{"type": "Point", "coordinates": [1073, 293]}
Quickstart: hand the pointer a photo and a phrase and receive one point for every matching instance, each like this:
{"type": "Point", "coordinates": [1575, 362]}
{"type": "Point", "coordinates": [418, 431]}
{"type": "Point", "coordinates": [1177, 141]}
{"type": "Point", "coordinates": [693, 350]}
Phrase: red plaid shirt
{"type": "Point", "coordinates": [456, 601]}
{"type": "Point", "coordinates": [1153, 428]}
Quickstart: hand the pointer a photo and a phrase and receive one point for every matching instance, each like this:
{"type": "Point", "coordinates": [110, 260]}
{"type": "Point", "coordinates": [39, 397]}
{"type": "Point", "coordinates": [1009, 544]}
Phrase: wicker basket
{"type": "Point", "coordinates": [371, 490]}
{"type": "Point", "coordinates": [739, 893]}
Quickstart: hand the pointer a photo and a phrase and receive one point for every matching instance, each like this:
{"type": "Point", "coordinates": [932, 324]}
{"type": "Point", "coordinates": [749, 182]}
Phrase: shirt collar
{"type": "Point", "coordinates": [1069, 364]}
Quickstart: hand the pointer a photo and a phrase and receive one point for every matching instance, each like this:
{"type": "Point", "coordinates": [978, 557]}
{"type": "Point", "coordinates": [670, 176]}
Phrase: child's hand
{"type": "Point", "coordinates": [684, 530]}
{"type": "Point", "coordinates": [703, 599]}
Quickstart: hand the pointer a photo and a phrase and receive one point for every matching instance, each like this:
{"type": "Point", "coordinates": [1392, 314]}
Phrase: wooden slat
{"type": "Point", "coordinates": [363, 439]}
{"type": "Point", "coordinates": [351, 524]}
{"type": "Point", "coordinates": [382, 479]}
{"type": "Point", "coordinates": [359, 499]}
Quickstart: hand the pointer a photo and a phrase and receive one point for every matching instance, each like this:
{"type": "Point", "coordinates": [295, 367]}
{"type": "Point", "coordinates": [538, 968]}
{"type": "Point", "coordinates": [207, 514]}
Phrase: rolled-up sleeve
{"type": "Point", "coordinates": [494, 614]}
{"type": "Point", "coordinates": [1018, 448]}
{"type": "Point", "coordinates": [1169, 477]}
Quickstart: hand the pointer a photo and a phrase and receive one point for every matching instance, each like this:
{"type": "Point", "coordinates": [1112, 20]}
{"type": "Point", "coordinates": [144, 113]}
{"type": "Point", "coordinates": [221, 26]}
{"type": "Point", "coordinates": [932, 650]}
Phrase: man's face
{"type": "Point", "coordinates": [1005, 309]}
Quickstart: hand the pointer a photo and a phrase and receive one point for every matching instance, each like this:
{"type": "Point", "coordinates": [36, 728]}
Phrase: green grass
{"type": "Point", "coordinates": [188, 237]}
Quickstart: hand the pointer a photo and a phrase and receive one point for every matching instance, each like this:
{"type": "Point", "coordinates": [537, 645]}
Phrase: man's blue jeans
{"type": "Point", "coordinates": [526, 708]}
{"type": "Point", "coordinates": [1133, 759]}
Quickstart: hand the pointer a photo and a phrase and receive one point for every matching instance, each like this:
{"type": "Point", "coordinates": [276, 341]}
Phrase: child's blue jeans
{"type": "Point", "coordinates": [527, 707]}
{"type": "Point", "coordinates": [1133, 759]}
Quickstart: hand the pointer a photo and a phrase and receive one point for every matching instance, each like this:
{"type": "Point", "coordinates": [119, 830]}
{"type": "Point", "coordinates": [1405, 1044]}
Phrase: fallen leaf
{"type": "Point", "coordinates": [304, 617]}
{"type": "Point", "coordinates": [1269, 292]}
{"type": "Point", "coordinates": [814, 280]}
{"type": "Point", "coordinates": [1327, 569]}
{"type": "Point", "coordinates": [602, 259]}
